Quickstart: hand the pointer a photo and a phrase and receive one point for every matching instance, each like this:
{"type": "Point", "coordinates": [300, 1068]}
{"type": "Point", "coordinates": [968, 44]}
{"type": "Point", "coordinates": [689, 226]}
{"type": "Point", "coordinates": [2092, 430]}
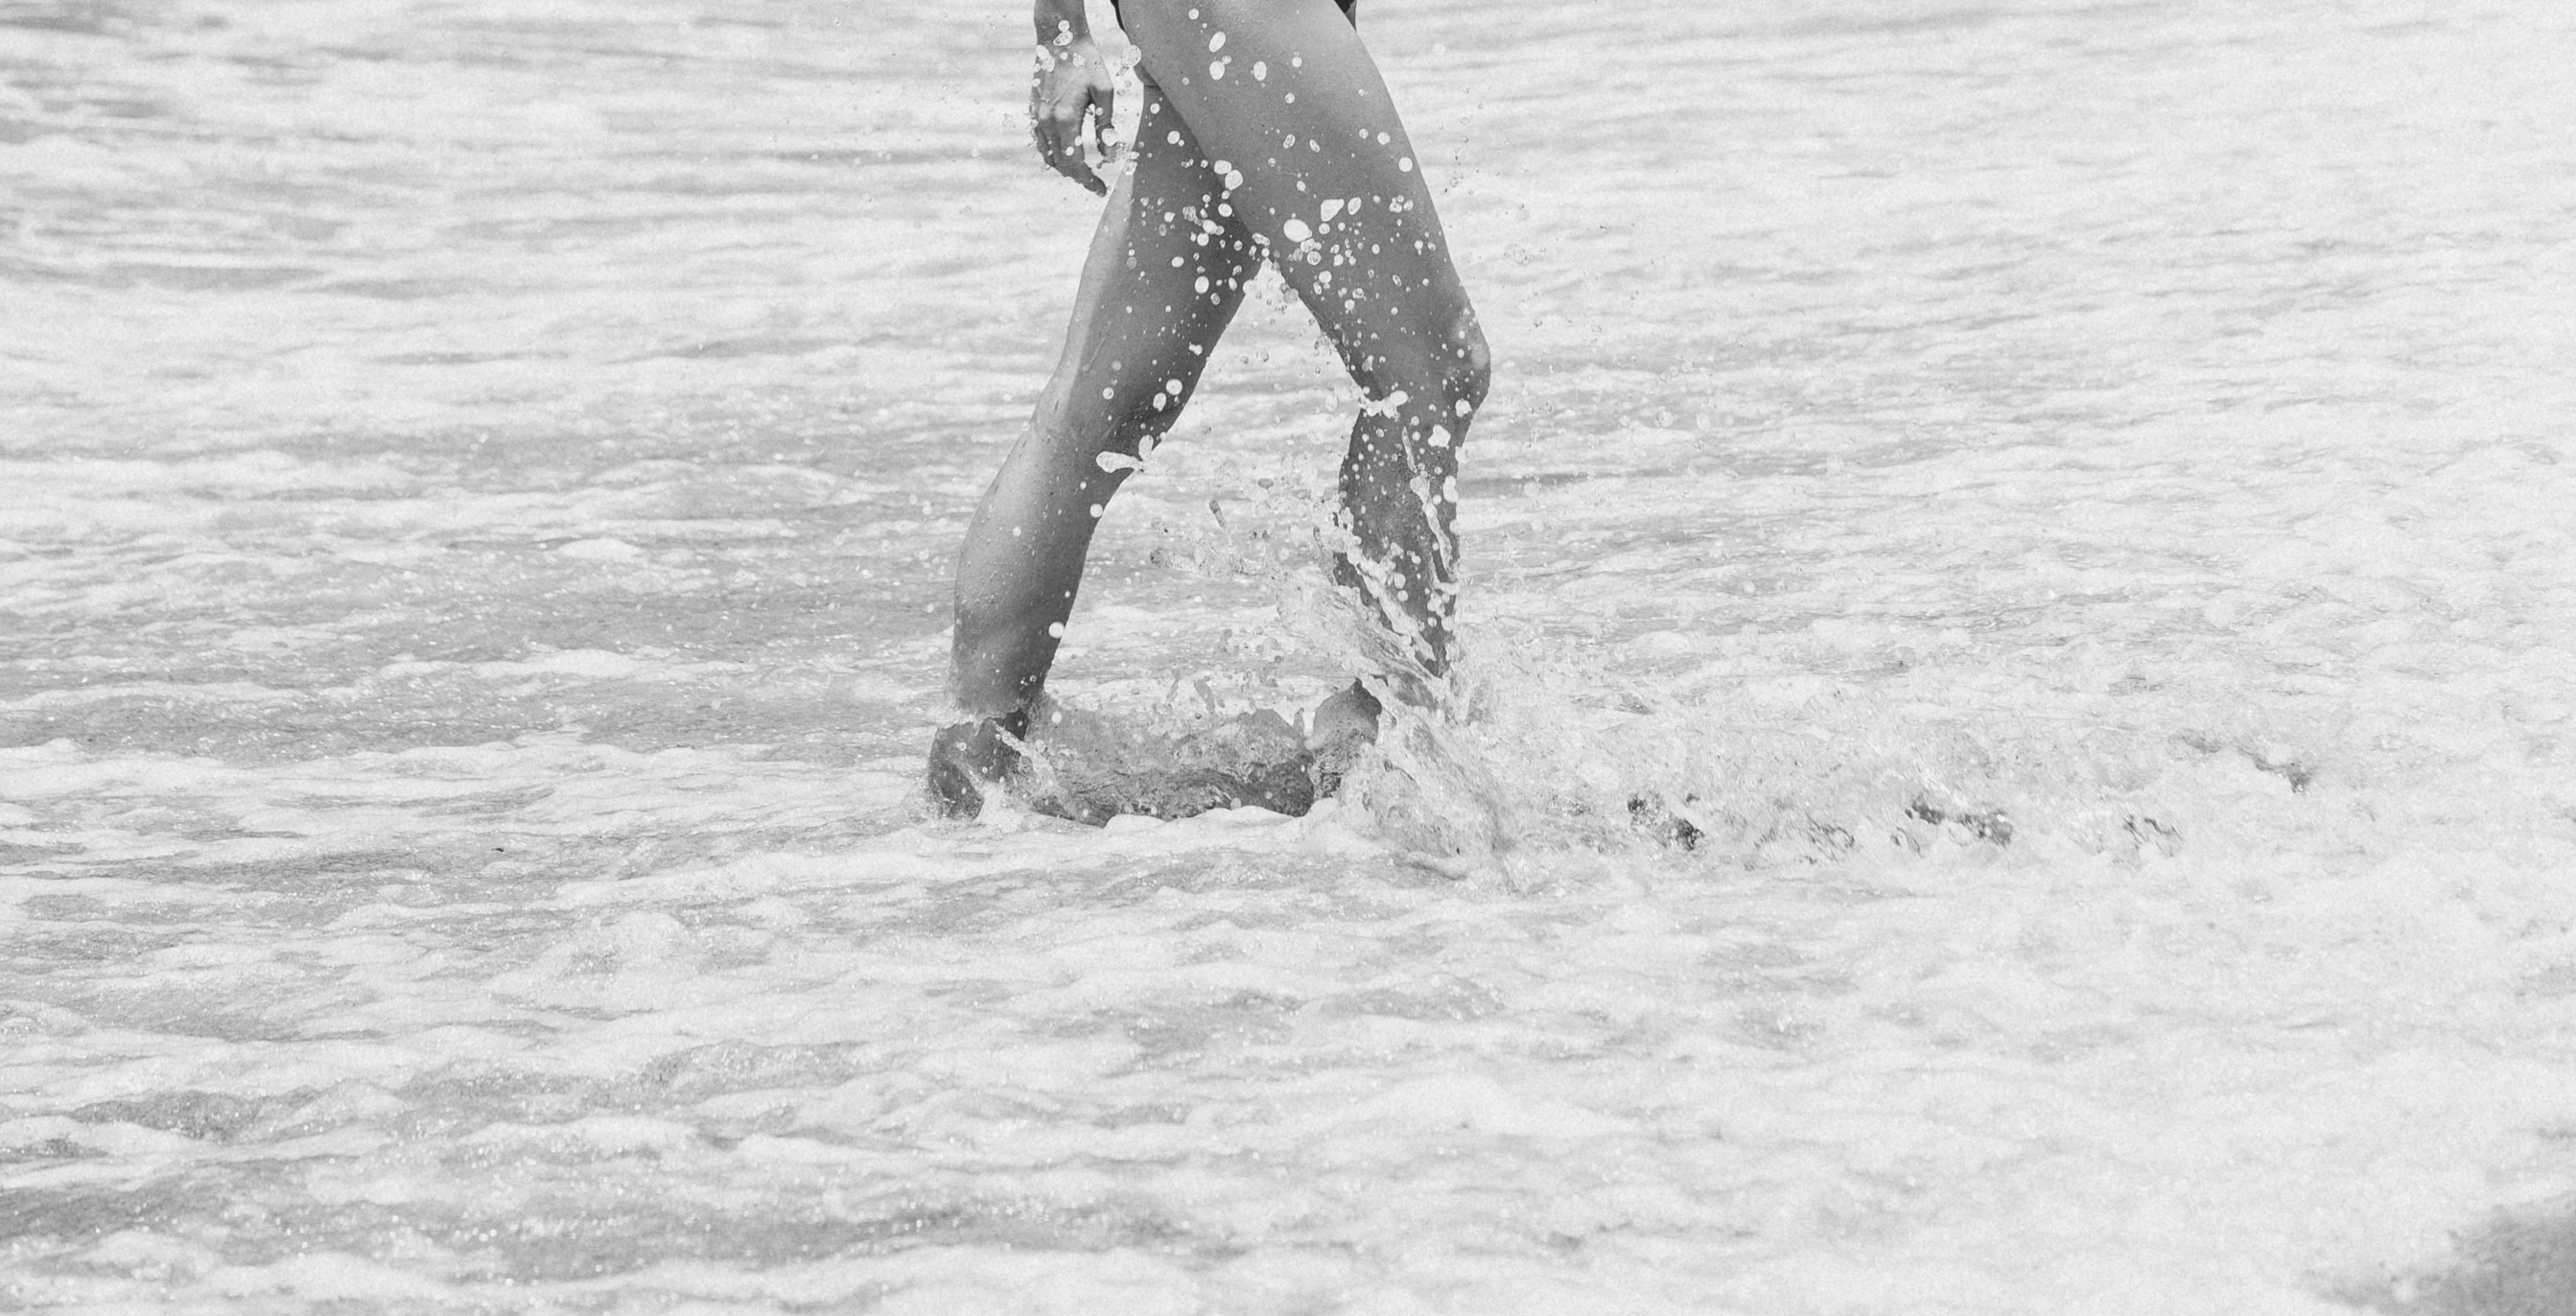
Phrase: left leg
{"type": "Point", "coordinates": [1165, 274]}
{"type": "Point", "coordinates": [1282, 94]}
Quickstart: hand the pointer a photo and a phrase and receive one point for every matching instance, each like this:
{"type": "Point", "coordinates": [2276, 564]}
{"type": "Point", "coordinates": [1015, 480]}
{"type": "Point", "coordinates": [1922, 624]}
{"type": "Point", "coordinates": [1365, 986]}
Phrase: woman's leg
{"type": "Point", "coordinates": [1164, 276]}
{"type": "Point", "coordinates": [1288, 106]}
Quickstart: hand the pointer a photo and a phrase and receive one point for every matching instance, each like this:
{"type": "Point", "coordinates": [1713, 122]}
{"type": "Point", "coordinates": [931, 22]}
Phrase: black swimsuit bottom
{"type": "Point", "coordinates": [1350, 9]}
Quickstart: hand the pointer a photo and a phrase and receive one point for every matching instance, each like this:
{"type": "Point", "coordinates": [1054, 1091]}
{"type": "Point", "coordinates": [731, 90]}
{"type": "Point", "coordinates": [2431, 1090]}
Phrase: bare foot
{"type": "Point", "coordinates": [970, 758]}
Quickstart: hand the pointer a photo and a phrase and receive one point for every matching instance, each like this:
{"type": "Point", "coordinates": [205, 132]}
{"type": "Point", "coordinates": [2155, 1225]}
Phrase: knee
{"type": "Point", "coordinates": [1133, 410]}
{"type": "Point", "coordinates": [1445, 372]}
{"type": "Point", "coordinates": [1460, 368]}
{"type": "Point", "coordinates": [1471, 364]}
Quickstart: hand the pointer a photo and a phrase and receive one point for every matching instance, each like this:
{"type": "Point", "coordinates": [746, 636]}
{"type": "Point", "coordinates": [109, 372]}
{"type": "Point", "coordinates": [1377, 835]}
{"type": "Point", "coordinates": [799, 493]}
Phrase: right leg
{"type": "Point", "coordinates": [1316, 161]}
{"type": "Point", "coordinates": [1166, 272]}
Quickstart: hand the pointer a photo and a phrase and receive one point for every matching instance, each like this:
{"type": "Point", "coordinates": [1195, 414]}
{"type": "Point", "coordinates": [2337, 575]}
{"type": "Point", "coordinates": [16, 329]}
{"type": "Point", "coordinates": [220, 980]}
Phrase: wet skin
{"type": "Point", "coordinates": [1266, 133]}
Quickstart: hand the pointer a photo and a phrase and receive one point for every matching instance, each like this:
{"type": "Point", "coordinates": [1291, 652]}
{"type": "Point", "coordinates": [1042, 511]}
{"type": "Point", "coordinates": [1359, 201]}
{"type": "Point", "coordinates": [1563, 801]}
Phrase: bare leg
{"type": "Point", "coordinates": [1164, 277]}
{"type": "Point", "coordinates": [1284, 100]}
{"type": "Point", "coordinates": [1270, 129]}
{"type": "Point", "coordinates": [1165, 274]}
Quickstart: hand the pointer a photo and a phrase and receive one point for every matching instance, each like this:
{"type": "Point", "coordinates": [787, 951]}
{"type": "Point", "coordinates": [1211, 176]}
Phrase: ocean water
{"type": "Point", "coordinates": [2021, 596]}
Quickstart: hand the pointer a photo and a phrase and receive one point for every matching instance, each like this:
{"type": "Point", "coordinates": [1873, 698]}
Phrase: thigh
{"type": "Point", "coordinates": [1296, 122]}
{"type": "Point", "coordinates": [1165, 274]}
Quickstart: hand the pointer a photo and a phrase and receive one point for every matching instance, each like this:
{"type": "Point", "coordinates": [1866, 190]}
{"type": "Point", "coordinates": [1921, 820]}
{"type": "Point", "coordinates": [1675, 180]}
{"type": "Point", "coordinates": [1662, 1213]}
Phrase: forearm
{"type": "Point", "coordinates": [1061, 22]}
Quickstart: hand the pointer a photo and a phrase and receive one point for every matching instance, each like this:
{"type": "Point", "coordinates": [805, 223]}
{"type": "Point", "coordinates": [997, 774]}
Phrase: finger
{"type": "Point", "coordinates": [1104, 99]}
{"type": "Point", "coordinates": [1047, 129]}
{"type": "Point", "coordinates": [1079, 170]}
{"type": "Point", "coordinates": [1062, 130]}
{"type": "Point", "coordinates": [1039, 136]}
{"type": "Point", "coordinates": [1044, 65]}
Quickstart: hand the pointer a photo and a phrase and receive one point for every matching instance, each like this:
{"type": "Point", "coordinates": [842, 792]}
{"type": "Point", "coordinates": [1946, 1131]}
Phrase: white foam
{"type": "Point", "coordinates": [474, 636]}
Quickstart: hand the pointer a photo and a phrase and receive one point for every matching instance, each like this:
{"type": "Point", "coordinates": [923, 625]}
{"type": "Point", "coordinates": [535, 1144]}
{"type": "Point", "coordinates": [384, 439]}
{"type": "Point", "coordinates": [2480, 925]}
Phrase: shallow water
{"type": "Point", "coordinates": [2067, 503]}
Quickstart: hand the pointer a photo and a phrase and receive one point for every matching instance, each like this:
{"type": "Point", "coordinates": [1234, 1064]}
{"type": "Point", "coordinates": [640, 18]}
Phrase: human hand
{"type": "Point", "coordinates": [1071, 99]}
